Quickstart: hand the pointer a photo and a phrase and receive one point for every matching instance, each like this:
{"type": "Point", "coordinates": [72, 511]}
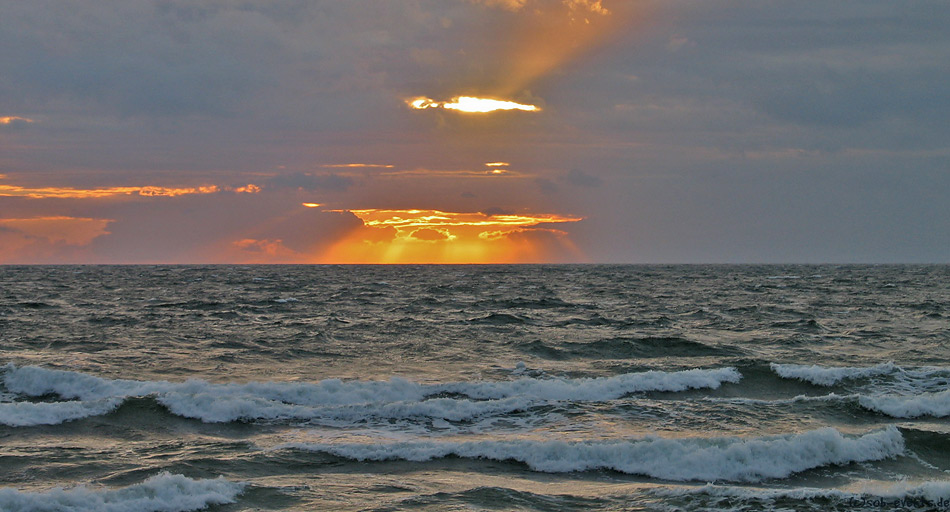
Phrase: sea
{"type": "Point", "coordinates": [483, 387]}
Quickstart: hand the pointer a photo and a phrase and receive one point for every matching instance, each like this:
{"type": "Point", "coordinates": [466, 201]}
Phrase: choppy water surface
{"type": "Point", "coordinates": [475, 388]}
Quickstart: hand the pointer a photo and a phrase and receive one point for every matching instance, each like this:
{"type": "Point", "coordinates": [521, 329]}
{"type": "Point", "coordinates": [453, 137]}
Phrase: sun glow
{"type": "Point", "coordinates": [435, 236]}
{"type": "Point", "coordinates": [470, 104]}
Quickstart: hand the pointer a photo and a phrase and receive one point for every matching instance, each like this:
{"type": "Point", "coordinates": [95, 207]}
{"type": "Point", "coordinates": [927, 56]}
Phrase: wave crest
{"type": "Point", "coordinates": [328, 399]}
{"type": "Point", "coordinates": [163, 492]}
{"type": "Point", "coordinates": [731, 459]}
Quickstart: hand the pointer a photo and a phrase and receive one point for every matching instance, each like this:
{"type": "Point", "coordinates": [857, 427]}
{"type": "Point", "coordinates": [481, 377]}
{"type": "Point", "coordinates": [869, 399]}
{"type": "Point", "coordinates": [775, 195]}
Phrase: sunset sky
{"type": "Point", "coordinates": [474, 131]}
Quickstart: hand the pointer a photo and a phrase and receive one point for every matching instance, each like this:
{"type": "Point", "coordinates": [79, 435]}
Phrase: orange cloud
{"type": "Point", "coordinates": [359, 166]}
{"type": "Point", "coordinates": [250, 188]}
{"type": "Point", "coordinates": [8, 120]}
{"type": "Point", "coordinates": [435, 236]}
{"type": "Point", "coordinates": [96, 193]}
{"type": "Point", "coordinates": [47, 239]}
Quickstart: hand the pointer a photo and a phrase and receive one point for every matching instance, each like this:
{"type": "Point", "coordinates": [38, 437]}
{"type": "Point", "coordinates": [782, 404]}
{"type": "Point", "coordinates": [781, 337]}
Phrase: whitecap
{"type": "Point", "coordinates": [27, 414]}
{"type": "Point", "coordinates": [703, 459]}
{"type": "Point", "coordinates": [356, 400]}
{"type": "Point", "coordinates": [829, 376]}
{"type": "Point", "coordinates": [161, 493]}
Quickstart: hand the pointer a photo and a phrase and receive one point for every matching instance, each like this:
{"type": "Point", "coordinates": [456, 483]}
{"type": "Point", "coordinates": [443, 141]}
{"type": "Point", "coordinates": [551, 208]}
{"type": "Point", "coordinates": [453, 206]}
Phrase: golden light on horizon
{"type": "Point", "coordinates": [497, 164]}
{"type": "Point", "coordinates": [435, 236]}
{"type": "Point", "coordinates": [312, 205]}
{"type": "Point", "coordinates": [470, 104]}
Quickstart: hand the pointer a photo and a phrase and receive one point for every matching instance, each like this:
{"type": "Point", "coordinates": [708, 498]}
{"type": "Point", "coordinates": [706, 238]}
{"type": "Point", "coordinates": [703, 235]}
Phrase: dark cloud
{"type": "Point", "coordinates": [494, 210]}
{"type": "Point", "coordinates": [547, 186]}
{"type": "Point", "coordinates": [580, 178]}
{"type": "Point", "coordinates": [311, 182]}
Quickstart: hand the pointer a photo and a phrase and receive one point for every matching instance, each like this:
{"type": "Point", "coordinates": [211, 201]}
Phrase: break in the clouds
{"type": "Point", "coordinates": [680, 130]}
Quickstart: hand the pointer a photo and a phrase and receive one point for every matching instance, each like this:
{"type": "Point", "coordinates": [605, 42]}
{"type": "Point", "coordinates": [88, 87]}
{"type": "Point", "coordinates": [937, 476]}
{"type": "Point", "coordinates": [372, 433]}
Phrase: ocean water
{"type": "Point", "coordinates": [591, 387]}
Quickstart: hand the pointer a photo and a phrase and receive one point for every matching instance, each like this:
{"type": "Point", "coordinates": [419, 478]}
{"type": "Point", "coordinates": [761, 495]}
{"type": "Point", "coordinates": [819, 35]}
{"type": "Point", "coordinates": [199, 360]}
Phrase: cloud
{"type": "Point", "coordinates": [593, 6]}
{"type": "Point", "coordinates": [410, 237]}
{"type": "Point", "coordinates": [98, 193]}
{"type": "Point", "coordinates": [359, 166]}
{"type": "Point", "coordinates": [67, 230]}
{"type": "Point", "coordinates": [51, 239]}
{"type": "Point", "coordinates": [494, 210]}
{"type": "Point", "coordinates": [547, 186]}
{"type": "Point", "coordinates": [311, 182]}
{"type": "Point", "coordinates": [14, 122]}
{"type": "Point", "coordinates": [263, 248]}
{"type": "Point", "coordinates": [430, 235]}
{"type": "Point", "coordinates": [580, 178]}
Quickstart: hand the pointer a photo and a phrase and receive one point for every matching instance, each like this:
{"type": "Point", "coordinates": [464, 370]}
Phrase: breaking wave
{"type": "Point", "coordinates": [729, 459]}
{"type": "Point", "coordinates": [329, 399]}
{"type": "Point", "coordinates": [829, 376]}
{"type": "Point", "coordinates": [871, 495]}
{"type": "Point", "coordinates": [161, 493]}
{"type": "Point", "coordinates": [898, 406]}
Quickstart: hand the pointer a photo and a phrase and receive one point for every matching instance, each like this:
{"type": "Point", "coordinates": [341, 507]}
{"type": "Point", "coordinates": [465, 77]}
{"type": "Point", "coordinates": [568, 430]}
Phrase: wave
{"type": "Point", "coordinates": [625, 348]}
{"type": "Point", "coordinates": [729, 459]}
{"type": "Point", "coordinates": [870, 495]}
{"type": "Point", "coordinates": [163, 492]}
{"type": "Point", "coordinates": [829, 376]}
{"type": "Point", "coordinates": [328, 399]}
{"type": "Point", "coordinates": [899, 406]}
{"type": "Point", "coordinates": [28, 414]}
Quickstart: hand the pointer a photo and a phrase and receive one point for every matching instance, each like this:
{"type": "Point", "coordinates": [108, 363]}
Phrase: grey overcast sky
{"type": "Point", "coordinates": [201, 131]}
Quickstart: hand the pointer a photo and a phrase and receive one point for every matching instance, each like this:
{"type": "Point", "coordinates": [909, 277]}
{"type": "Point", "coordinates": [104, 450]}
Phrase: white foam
{"type": "Point", "coordinates": [160, 493]}
{"type": "Point", "coordinates": [899, 406]}
{"type": "Point", "coordinates": [26, 414]}
{"type": "Point", "coordinates": [731, 459]}
{"type": "Point", "coordinates": [213, 408]}
{"type": "Point", "coordinates": [333, 398]}
{"type": "Point", "coordinates": [830, 397]}
{"type": "Point", "coordinates": [596, 389]}
{"type": "Point", "coordinates": [829, 376]}
{"type": "Point", "coordinates": [874, 494]}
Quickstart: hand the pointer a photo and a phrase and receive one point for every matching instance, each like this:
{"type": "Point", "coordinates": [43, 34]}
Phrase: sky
{"type": "Point", "coordinates": [330, 131]}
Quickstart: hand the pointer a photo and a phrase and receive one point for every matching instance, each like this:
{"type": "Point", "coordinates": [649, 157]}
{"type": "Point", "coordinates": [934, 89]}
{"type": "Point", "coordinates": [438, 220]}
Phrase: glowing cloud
{"type": "Point", "coordinates": [97, 193]}
{"type": "Point", "coordinates": [435, 236]}
{"type": "Point", "coordinates": [359, 166]}
{"type": "Point", "coordinates": [312, 205]}
{"type": "Point", "coordinates": [250, 188]}
{"type": "Point", "coordinates": [14, 119]}
{"type": "Point", "coordinates": [470, 104]}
